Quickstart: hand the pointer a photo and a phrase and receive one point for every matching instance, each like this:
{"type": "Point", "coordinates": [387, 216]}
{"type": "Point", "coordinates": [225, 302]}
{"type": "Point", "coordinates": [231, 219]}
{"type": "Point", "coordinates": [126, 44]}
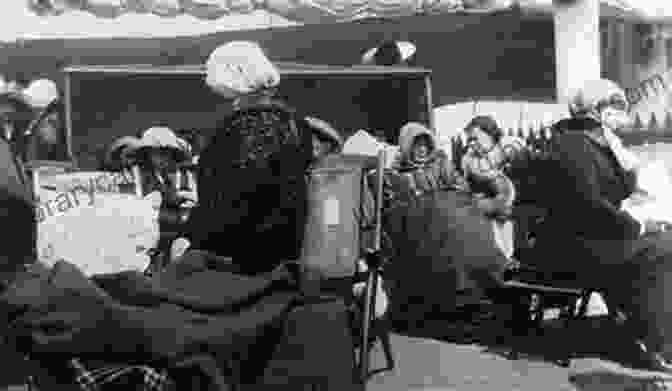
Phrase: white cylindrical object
{"type": "Point", "coordinates": [137, 179]}
{"type": "Point", "coordinates": [36, 183]}
{"type": "Point", "coordinates": [577, 45]}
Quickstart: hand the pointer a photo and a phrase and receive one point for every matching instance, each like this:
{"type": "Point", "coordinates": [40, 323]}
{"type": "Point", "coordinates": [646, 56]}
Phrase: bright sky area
{"type": "Point", "coordinates": [18, 22]}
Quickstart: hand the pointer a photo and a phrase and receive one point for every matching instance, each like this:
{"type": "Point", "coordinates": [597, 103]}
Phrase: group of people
{"type": "Point", "coordinates": [252, 198]}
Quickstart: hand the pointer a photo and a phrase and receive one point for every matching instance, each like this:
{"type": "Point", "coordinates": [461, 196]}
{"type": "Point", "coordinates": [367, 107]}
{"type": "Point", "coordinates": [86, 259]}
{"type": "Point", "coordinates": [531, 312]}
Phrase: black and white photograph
{"type": "Point", "coordinates": [341, 195]}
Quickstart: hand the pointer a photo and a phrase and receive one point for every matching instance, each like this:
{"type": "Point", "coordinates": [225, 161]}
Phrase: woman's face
{"type": "Point", "coordinates": [421, 148]}
{"type": "Point", "coordinates": [479, 140]}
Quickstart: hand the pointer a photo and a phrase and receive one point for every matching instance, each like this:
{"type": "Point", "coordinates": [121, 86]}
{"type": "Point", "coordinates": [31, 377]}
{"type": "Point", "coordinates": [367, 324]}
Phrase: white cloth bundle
{"type": "Point", "coordinates": [106, 234]}
{"type": "Point", "coordinates": [651, 201]}
{"type": "Point", "coordinates": [240, 67]}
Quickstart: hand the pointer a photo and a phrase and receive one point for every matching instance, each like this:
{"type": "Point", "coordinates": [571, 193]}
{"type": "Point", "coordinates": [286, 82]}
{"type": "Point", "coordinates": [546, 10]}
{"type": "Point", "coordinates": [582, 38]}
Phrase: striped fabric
{"type": "Point", "coordinates": [109, 376]}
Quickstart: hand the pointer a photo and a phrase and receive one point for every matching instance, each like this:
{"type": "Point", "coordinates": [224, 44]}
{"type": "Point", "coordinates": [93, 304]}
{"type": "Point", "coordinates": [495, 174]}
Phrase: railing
{"type": "Point", "coordinates": [538, 139]}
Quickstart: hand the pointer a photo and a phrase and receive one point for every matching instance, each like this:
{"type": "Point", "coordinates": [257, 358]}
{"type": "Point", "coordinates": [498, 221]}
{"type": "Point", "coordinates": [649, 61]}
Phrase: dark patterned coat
{"type": "Point", "coordinates": [252, 188]}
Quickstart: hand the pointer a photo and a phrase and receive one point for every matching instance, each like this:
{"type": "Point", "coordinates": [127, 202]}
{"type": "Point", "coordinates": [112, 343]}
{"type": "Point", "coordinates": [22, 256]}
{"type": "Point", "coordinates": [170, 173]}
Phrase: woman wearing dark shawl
{"type": "Point", "coordinates": [251, 177]}
{"type": "Point", "coordinates": [446, 255]}
{"type": "Point", "coordinates": [590, 174]}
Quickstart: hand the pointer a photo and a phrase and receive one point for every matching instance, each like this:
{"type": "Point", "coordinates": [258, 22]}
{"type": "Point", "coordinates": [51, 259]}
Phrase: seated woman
{"type": "Point", "coordinates": [251, 177]}
{"type": "Point", "coordinates": [198, 323]}
{"type": "Point", "coordinates": [488, 152]}
{"type": "Point", "coordinates": [445, 252]}
{"type": "Point", "coordinates": [424, 167]}
{"type": "Point", "coordinates": [587, 231]}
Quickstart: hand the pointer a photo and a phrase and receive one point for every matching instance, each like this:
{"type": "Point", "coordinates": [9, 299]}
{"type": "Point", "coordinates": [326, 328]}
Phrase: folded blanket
{"type": "Point", "coordinates": [443, 246]}
{"type": "Point", "coordinates": [193, 309]}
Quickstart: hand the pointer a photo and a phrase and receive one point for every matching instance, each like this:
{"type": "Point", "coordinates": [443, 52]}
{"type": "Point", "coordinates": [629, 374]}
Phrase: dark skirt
{"type": "Point", "coordinates": [443, 247]}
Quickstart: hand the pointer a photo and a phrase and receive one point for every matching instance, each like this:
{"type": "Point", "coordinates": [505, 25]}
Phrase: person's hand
{"type": "Point", "coordinates": [178, 248]}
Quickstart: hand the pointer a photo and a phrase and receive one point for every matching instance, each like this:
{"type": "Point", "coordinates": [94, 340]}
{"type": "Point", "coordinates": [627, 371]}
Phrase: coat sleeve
{"type": "Point", "coordinates": [575, 160]}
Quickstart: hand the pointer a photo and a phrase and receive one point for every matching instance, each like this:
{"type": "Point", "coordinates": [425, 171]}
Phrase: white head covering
{"type": "Point", "coordinates": [585, 103]}
{"type": "Point", "coordinates": [40, 93]}
{"type": "Point", "coordinates": [240, 67]}
{"type": "Point", "coordinates": [155, 137]}
{"type": "Point", "coordinates": [163, 137]}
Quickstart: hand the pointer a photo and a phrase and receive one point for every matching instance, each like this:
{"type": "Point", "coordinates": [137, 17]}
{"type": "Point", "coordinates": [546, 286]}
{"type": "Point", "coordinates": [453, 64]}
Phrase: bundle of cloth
{"type": "Point", "coordinates": [255, 330]}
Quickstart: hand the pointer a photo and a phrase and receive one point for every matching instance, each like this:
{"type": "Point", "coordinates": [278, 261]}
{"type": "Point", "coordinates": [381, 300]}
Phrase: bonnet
{"type": "Point", "coordinates": [239, 68]}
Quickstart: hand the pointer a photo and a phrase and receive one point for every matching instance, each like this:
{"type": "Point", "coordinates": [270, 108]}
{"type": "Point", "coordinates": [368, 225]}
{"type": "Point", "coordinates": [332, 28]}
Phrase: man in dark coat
{"type": "Point", "coordinates": [589, 175]}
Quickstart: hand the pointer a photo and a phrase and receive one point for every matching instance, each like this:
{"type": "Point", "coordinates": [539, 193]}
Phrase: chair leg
{"type": "Point", "coordinates": [383, 335]}
{"type": "Point", "coordinates": [576, 314]}
{"type": "Point", "coordinates": [520, 323]}
{"type": "Point", "coordinates": [367, 318]}
{"type": "Point", "coordinates": [387, 349]}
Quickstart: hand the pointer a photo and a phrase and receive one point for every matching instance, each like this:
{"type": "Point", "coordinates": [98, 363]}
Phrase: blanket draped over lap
{"type": "Point", "coordinates": [198, 306]}
{"type": "Point", "coordinates": [443, 246]}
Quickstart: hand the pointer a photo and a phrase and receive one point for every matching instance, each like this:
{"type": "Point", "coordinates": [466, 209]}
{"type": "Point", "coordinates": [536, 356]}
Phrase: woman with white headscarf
{"type": "Point", "coordinates": [589, 175]}
{"type": "Point", "coordinates": [252, 186]}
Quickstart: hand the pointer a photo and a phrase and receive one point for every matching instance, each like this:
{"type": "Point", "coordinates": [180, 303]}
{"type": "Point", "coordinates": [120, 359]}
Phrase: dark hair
{"type": "Point", "coordinates": [388, 54]}
{"type": "Point", "coordinates": [487, 124]}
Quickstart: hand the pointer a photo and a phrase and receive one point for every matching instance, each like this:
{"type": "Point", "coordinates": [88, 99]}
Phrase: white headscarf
{"type": "Point", "coordinates": [40, 93]}
{"type": "Point", "coordinates": [585, 103]}
{"type": "Point", "coordinates": [239, 68]}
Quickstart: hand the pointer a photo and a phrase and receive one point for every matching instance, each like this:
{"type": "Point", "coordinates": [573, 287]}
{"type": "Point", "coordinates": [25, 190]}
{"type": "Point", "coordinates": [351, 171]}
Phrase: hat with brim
{"type": "Point", "coordinates": [406, 51]}
{"type": "Point", "coordinates": [323, 130]}
{"type": "Point", "coordinates": [162, 138]}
